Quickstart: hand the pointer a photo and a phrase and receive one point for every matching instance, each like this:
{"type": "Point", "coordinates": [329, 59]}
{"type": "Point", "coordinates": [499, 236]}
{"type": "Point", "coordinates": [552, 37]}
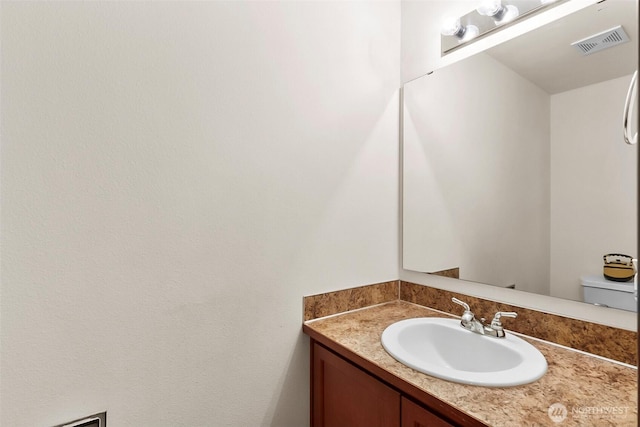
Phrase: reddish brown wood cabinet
{"type": "Point", "coordinates": [343, 395]}
{"type": "Point", "coordinates": [414, 415]}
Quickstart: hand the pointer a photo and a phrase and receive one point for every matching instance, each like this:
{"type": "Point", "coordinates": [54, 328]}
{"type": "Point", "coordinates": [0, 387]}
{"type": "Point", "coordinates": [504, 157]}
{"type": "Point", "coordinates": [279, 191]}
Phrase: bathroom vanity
{"type": "Point", "coordinates": [345, 394]}
{"type": "Point", "coordinates": [355, 382]}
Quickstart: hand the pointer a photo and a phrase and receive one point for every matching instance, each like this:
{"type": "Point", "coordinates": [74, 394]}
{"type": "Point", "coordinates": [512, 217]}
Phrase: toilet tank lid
{"type": "Point", "coordinates": [596, 281]}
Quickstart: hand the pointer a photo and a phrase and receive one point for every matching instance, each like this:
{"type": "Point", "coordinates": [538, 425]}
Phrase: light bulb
{"type": "Point", "coordinates": [499, 12]}
{"type": "Point", "coordinates": [450, 26]}
{"type": "Point", "coordinates": [453, 27]}
{"type": "Point", "coordinates": [471, 32]}
{"type": "Point", "coordinates": [510, 14]}
{"type": "Point", "coordinates": [489, 7]}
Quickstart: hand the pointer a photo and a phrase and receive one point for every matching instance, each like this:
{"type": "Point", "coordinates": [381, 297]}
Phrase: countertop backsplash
{"type": "Point", "coordinates": [612, 343]}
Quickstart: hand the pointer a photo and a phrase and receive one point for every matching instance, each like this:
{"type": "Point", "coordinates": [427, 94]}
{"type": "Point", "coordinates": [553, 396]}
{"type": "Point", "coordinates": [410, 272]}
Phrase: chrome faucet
{"type": "Point", "coordinates": [469, 321]}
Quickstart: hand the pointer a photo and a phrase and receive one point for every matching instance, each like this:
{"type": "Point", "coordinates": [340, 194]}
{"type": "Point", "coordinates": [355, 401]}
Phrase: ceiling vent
{"type": "Point", "coordinates": [600, 41]}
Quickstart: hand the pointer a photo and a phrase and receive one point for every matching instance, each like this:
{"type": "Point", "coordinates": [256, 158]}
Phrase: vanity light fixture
{"type": "Point", "coordinates": [489, 16]}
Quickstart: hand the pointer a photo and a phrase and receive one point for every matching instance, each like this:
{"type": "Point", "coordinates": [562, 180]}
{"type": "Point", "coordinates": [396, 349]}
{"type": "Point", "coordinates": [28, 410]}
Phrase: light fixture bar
{"type": "Point", "coordinates": [489, 16]}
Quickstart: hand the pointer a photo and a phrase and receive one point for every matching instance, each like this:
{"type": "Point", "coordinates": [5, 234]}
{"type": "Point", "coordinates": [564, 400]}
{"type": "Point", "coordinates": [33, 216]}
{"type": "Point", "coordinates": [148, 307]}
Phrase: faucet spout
{"type": "Point", "coordinates": [478, 327]}
{"type": "Point", "coordinates": [468, 321]}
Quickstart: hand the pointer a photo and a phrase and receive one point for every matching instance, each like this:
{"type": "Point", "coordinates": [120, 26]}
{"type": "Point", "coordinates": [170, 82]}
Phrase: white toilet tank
{"type": "Point", "coordinates": [600, 291]}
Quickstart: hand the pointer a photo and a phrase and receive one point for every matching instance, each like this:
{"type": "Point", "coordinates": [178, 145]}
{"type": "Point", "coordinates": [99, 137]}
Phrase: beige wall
{"type": "Point", "coordinates": [594, 184]}
{"type": "Point", "coordinates": [175, 177]}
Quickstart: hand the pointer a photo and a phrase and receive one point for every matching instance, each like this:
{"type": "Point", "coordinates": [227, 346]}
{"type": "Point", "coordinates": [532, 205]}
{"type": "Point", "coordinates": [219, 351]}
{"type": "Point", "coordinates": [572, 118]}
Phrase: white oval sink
{"type": "Point", "coordinates": [444, 349]}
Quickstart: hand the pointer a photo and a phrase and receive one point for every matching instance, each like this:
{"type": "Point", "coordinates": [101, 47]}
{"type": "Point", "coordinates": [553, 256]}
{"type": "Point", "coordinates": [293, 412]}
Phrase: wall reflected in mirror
{"type": "Point", "coordinates": [514, 167]}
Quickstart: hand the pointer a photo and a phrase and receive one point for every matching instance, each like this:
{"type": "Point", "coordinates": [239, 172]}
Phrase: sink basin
{"type": "Point", "coordinates": [444, 349]}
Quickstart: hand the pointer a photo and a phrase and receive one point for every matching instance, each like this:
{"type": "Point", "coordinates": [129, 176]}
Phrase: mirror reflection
{"type": "Point", "coordinates": [515, 172]}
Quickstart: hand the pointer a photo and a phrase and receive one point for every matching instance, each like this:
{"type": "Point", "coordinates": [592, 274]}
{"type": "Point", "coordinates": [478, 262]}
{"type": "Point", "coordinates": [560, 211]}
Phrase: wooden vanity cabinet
{"type": "Point", "coordinates": [414, 415]}
{"type": "Point", "coordinates": [344, 395]}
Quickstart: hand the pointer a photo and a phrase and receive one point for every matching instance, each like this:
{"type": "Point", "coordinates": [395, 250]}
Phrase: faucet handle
{"type": "Point", "coordinates": [467, 317]}
{"type": "Point", "coordinates": [462, 303]}
{"type": "Point", "coordinates": [496, 319]}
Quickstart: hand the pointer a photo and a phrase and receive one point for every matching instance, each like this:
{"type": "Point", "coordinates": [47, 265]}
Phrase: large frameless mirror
{"type": "Point", "coordinates": [515, 172]}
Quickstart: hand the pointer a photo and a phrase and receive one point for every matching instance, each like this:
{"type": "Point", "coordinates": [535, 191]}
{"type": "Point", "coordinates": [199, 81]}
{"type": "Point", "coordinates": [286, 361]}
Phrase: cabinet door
{"type": "Point", "coordinates": [345, 396]}
{"type": "Point", "coordinates": [416, 416]}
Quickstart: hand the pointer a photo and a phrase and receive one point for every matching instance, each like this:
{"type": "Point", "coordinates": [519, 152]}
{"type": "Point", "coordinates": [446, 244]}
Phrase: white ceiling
{"type": "Point", "coordinates": [545, 56]}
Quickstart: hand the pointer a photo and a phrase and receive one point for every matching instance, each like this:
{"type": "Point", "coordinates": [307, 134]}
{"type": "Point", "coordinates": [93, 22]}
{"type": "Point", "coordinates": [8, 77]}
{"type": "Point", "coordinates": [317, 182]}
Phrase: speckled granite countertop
{"type": "Point", "coordinates": [594, 391]}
